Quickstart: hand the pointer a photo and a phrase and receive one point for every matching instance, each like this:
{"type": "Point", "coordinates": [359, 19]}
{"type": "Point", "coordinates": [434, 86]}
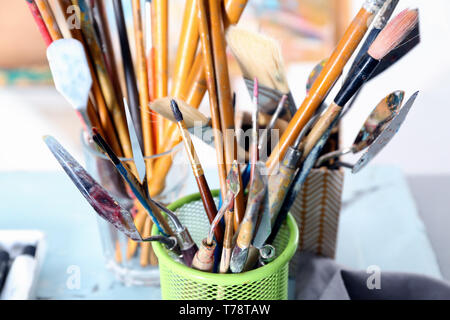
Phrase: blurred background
{"type": "Point", "coordinates": [307, 30]}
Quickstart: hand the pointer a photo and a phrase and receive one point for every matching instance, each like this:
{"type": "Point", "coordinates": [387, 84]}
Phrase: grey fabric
{"type": "Point", "coordinates": [320, 278]}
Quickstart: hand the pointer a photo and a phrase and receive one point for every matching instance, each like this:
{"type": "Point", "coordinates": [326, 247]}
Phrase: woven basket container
{"type": "Point", "coordinates": [179, 282]}
{"type": "Point", "coordinates": [316, 211]}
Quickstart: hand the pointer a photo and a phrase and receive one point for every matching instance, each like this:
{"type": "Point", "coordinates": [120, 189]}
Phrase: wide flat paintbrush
{"type": "Point", "coordinates": [259, 56]}
{"type": "Point", "coordinates": [205, 192]}
{"type": "Point", "coordinates": [327, 78]}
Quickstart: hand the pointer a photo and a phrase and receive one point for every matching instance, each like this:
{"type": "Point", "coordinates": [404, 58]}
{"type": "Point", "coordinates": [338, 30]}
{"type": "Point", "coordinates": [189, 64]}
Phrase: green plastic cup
{"type": "Point", "coordinates": [179, 282]}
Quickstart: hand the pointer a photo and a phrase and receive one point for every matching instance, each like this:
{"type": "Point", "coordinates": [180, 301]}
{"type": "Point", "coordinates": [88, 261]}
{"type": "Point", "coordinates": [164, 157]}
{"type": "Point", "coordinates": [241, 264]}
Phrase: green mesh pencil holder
{"type": "Point", "coordinates": [179, 282]}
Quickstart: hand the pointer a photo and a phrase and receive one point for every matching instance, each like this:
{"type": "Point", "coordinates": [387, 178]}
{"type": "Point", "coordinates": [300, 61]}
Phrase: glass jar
{"type": "Point", "coordinates": [133, 263]}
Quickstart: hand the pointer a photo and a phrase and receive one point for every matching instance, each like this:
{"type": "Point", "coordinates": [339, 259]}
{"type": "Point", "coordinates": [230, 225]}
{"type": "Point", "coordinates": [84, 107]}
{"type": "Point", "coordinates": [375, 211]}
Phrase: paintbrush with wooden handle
{"type": "Point", "coordinates": [330, 73]}
{"type": "Point", "coordinates": [387, 40]}
{"type": "Point", "coordinates": [205, 192]}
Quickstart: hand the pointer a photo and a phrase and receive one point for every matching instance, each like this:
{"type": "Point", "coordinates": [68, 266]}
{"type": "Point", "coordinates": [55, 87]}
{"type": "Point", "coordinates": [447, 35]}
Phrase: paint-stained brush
{"type": "Point", "coordinates": [187, 246]}
{"type": "Point", "coordinates": [260, 57]}
{"type": "Point", "coordinates": [330, 73]}
{"type": "Point", "coordinates": [247, 228]}
{"type": "Point", "coordinates": [207, 198]}
{"type": "Point", "coordinates": [71, 75]}
{"type": "Point", "coordinates": [128, 67]}
{"type": "Point", "coordinates": [377, 146]}
{"type": "Point", "coordinates": [387, 40]}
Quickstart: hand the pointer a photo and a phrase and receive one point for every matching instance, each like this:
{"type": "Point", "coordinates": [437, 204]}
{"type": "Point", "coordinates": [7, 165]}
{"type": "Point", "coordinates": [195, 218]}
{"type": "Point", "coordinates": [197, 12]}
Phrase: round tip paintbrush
{"type": "Point", "coordinates": [388, 39]}
{"type": "Point", "coordinates": [205, 192]}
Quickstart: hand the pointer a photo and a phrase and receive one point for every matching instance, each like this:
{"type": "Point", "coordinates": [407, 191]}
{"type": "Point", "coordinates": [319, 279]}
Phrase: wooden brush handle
{"type": "Point", "coordinates": [209, 204]}
{"type": "Point", "coordinates": [49, 19]}
{"type": "Point", "coordinates": [210, 74]}
{"type": "Point", "coordinates": [196, 87]}
{"type": "Point", "coordinates": [323, 84]}
{"type": "Point", "coordinates": [187, 46]}
{"type": "Point", "coordinates": [147, 134]}
{"type": "Point", "coordinates": [322, 125]}
{"type": "Point", "coordinates": [40, 22]}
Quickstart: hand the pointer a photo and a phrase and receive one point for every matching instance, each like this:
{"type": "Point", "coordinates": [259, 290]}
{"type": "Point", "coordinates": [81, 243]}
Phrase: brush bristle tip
{"type": "Point", "coordinates": [176, 111]}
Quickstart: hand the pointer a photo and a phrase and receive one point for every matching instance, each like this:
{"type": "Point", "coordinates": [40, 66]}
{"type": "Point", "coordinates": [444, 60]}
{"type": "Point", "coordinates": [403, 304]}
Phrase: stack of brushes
{"type": "Point", "coordinates": [252, 208]}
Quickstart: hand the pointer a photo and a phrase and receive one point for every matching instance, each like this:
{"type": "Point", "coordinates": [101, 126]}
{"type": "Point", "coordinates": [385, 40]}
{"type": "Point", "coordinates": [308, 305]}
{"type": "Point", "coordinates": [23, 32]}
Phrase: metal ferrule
{"type": "Point", "coordinates": [385, 14]}
{"type": "Point", "coordinates": [292, 158]}
{"type": "Point", "coordinates": [373, 6]}
{"type": "Point", "coordinates": [184, 239]}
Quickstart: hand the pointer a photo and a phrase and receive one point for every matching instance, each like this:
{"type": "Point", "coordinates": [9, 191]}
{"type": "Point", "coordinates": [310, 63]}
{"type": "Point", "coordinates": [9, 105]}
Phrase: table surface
{"type": "Point", "coordinates": [379, 226]}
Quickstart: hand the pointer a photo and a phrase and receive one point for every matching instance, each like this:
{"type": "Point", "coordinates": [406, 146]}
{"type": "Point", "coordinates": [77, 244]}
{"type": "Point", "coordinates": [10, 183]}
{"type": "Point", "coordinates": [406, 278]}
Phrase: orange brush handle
{"type": "Point", "coordinates": [210, 75]}
{"type": "Point", "coordinates": [322, 85]}
{"type": "Point", "coordinates": [143, 83]}
{"type": "Point", "coordinates": [49, 19]}
{"type": "Point", "coordinates": [160, 45]}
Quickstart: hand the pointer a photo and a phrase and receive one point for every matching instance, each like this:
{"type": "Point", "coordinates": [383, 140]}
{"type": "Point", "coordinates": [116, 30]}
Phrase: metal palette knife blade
{"type": "Point", "coordinates": [98, 197]}
{"type": "Point", "coordinates": [384, 138]}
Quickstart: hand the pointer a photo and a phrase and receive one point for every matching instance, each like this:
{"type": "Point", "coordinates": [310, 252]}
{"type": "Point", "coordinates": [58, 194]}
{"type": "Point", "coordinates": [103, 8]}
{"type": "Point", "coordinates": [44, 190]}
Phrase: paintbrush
{"type": "Point", "coordinates": [378, 25]}
{"type": "Point", "coordinates": [254, 152]}
{"type": "Point", "coordinates": [39, 22]}
{"type": "Point", "coordinates": [265, 137]}
{"type": "Point", "coordinates": [101, 18]}
{"type": "Point", "coordinates": [388, 39]}
{"type": "Point", "coordinates": [347, 45]}
{"type": "Point", "coordinates": [141, 62]}
{"type": "Point", "coordinates": [233, 188]}
{"type": "Point", "coordinates": [374, 125]}
{"type": "Point", "coordinates": [130, 76]}
{"type": "Point", "coordinates": [247, 228]}
{"type": "Point", "coordinates": [160, 40]}
{"type": "Point", "coordinates": [49, 19]}
{"type": "Point", "coordinates": [204, 258]}
{"type": "Point", "coordinates": [225, 97]}
{"type": "Point", "coordinates": [260, 57]}
{"type": "Point", "coordinates": [187, 246]}
{"type": "Point", "coordinates": [205, 192]}
{"type": "Point", "coordinates": [100, 199]}
{"type": "Point", "coordinates": [137, 189]}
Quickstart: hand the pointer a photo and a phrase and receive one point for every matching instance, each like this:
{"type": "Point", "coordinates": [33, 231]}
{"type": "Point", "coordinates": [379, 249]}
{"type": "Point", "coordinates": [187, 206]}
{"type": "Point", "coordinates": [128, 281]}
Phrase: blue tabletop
{"type": "Point", "coordinates": [379, 225]}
